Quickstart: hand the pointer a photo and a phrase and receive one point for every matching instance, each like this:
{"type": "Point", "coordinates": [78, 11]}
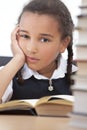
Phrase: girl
{"type": "Point", "coordinates": [37, 68]}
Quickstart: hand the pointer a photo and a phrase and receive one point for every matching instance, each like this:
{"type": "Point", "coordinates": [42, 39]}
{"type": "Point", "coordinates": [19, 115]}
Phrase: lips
{"type": "Point", "coordinates": [32, 59]}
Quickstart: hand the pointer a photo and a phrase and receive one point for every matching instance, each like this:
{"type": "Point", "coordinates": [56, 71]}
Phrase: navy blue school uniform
{"type": "Point", "coordinates": [33, 88]}
{"type": "Point", "coordinates": [36, 86]}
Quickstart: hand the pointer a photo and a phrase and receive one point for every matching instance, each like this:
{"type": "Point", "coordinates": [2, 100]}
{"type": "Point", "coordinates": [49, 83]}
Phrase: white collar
{"type": "Point", "coordinates": [58, 73]}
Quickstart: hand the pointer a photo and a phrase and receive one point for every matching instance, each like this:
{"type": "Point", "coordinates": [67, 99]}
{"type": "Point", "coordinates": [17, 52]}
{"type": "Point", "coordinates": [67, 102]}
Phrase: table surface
{"type": "Point", "coordinates": [21, 122]}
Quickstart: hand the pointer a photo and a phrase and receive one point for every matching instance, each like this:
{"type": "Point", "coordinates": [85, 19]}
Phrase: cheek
{"type": "Point", "coordinates": [50, 54]}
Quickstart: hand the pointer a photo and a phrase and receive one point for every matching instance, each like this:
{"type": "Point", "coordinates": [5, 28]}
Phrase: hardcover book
{"type": "Point", "coordinates": [57, 105]}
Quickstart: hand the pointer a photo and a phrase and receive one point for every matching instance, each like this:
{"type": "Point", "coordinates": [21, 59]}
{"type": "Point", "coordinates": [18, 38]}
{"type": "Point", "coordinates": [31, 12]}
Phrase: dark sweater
{"type": "Point", "coordinates": [33, 88]}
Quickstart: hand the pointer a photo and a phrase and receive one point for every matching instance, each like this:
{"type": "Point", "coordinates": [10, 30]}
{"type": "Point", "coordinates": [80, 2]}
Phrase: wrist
{"type": "Point", "coordinates": [19, 59]}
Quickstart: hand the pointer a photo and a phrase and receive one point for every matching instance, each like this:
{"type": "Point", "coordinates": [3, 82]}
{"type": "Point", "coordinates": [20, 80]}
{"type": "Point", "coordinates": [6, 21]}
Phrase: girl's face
{"type": "Point", "coordinates": [40, 40]}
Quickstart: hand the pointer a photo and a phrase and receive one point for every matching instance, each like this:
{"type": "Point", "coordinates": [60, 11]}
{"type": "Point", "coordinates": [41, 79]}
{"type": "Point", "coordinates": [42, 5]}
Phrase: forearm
{"type": "Point", "coordinates": [8, 72]}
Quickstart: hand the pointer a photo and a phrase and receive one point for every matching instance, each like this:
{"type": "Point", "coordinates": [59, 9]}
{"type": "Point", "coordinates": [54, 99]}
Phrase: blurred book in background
{"type": "Point", "coordinates": [79, 89]}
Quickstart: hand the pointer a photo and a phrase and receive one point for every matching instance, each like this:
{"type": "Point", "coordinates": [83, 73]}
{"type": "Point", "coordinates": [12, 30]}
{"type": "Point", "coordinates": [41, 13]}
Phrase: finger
{"type": "Point", "coordinates": [14, 33]}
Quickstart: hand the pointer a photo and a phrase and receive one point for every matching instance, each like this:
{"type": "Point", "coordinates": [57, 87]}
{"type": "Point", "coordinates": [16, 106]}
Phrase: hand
{"type": "Point", "coordinates": [16, 50]}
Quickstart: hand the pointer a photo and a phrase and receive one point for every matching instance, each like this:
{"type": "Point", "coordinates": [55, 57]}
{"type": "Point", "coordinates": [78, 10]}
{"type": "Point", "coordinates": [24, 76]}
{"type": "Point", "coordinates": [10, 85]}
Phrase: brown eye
{"type": "Point", "coordinates": [44, 40]}
{"type": "Point", "coordinates": [24, 36]}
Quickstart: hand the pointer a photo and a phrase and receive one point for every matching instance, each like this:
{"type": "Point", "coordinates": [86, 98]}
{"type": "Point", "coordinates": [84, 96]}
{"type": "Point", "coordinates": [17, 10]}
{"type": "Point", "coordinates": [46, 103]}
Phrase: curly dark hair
{"type": "Point", "coordinates": [60, 12]}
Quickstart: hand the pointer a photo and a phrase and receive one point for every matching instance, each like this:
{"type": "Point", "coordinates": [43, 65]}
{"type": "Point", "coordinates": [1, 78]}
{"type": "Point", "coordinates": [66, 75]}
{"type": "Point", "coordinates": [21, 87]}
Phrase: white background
{"type": "Point", "coordinates": [9, 12]}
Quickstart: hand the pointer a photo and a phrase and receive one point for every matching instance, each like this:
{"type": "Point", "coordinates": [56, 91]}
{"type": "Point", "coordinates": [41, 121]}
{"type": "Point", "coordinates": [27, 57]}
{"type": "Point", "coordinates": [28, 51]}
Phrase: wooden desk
{"type": "Point", "coordinates": [35, 123]}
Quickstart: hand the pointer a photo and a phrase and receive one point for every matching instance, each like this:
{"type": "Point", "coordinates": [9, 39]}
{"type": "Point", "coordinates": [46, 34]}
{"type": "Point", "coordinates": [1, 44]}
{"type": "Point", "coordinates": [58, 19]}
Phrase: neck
{"type": "Point", "coordinates": [48, 71]}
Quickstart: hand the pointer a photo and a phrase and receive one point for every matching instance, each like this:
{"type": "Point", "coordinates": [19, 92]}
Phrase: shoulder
{"type": "Point", "coordinates": [63, 63]}
{"type": "Point", "coordinates": [1, 67]}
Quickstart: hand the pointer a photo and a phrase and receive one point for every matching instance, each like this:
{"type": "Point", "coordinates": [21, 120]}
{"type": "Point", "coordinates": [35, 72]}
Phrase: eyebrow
{"type": "Point", "coordinates": [23, 31]}
{"type": "Point", "coordinates": [42, 34]}
{"type": "Point", "coordinates": [48, 35]}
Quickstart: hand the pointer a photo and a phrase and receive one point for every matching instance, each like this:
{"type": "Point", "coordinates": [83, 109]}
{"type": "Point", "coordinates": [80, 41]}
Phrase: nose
{"type": "Point", "coordinates": [31, 47]}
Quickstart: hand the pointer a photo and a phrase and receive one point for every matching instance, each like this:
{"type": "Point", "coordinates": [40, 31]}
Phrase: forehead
{"type": "Point", "coordinates": [39, 20]}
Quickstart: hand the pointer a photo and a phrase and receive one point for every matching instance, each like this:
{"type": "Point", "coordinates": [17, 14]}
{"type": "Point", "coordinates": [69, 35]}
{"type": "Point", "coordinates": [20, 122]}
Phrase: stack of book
{"type": "Point", "coordinates": [79, 89]}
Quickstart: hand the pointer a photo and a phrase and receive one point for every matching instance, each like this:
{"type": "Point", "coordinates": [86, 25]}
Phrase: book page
{"type": "Point", "coordinates": [67, 99]}
{"type": "Point", "coordinates": [18, 104]}
{"type": "Point", "coordinates": [31, 101]}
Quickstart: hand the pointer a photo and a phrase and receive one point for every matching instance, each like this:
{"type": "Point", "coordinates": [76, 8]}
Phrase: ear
{"type": "Point", "coordinates": [64, 44]}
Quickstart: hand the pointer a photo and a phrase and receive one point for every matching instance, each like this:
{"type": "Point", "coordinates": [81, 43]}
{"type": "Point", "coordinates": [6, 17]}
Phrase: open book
{"type": "Point", "coordinates": [56, 105]}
